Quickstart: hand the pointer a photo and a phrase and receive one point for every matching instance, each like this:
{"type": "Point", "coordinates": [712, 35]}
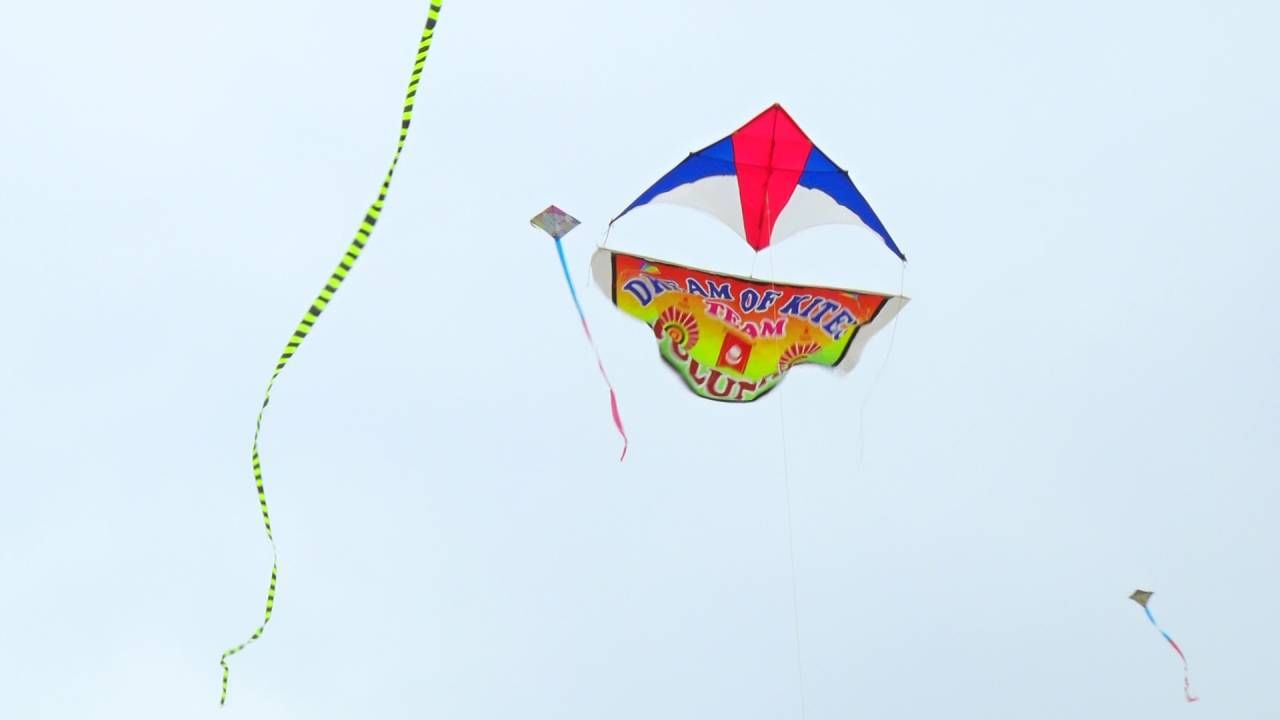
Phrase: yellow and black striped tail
{"type": "Point", "coordinates": [313, 313]}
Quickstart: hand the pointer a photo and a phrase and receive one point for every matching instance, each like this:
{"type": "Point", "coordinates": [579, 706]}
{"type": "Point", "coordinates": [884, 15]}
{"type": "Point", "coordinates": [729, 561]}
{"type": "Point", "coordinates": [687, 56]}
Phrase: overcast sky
{"type": "Point", "coordinates": [1082, 397]}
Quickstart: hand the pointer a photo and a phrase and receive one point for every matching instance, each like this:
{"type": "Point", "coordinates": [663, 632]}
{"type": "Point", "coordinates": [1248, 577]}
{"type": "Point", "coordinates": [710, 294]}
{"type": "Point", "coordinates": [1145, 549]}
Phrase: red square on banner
{"type": "Point", "coordinates": [734, 353]}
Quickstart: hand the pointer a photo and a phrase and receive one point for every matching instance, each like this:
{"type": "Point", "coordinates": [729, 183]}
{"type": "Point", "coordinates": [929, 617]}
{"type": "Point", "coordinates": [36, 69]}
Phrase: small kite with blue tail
{"type": "Point", "coordinates": [1142, 597]}
{"type": "Point", "coordinates": [557, 223]}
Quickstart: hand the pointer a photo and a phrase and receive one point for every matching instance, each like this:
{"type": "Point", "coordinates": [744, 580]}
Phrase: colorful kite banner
{"type": "Point", "coordinates": [732, 338]}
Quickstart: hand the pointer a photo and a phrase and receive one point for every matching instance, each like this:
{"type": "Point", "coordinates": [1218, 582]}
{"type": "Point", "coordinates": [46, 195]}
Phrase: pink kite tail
{"type": "Point", "coordinates": [613, 397]}
{"type": "Point", "coordinates": [1186, 671]}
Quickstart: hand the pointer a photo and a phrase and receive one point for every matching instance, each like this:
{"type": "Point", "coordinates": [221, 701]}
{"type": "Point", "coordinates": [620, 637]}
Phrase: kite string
{"type": "Point", "coordinates": [602, 244]}
{"type": "Point", "coordinates": [613, 397]}
{"type": "Point", "coordinates": [1186, 670]}
{"type": "Point", "coordinates": [893, 334]}
{"type": "Point", "coordinates": [791, 552]}
{"type": "Point", "coordinates": [786, 484]}
{"type": "Point", "coordinates": [313, 313]}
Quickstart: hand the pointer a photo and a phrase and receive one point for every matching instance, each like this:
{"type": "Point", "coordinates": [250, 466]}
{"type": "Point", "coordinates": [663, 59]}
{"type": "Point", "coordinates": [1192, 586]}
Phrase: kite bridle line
{"type": "Point", "coordinates": [318, 306]}
{"type": "Point", "coordinates": [786, 474]}
{"type": "Point", "coordinates": [786, 485]}
{"type": "Point", "coordinates": [603, 244]}
{"type": "Point", "coordinates": [902, 288]}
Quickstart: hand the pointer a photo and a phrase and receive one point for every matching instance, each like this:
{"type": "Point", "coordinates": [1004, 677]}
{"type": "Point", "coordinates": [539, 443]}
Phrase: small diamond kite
{"type": "Point", "coordinates": [557, 223]}
{"type": "Point", "coordinates": [1142, 597]}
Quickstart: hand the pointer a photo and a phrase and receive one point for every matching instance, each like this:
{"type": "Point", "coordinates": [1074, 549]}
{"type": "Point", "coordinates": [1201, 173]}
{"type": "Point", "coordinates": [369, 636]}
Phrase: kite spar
{"type": "Point", "coordinates": [1142, 597]}
{"type": "Point", "coordinates": [313, 314]}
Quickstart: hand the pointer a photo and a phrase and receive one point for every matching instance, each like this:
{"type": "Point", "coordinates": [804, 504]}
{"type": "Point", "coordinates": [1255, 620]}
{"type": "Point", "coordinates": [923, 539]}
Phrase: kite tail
{"type": "Point", "coordinates": [1186, 671]}
{"type": "Point", "coordinates": [613, 397]}
{"type": "Point", "coordinates": [313, 313]}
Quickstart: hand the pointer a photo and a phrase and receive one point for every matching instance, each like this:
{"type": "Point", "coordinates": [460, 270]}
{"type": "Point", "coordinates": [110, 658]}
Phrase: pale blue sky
{"type": "Point", "coordinates": [1082, 397]}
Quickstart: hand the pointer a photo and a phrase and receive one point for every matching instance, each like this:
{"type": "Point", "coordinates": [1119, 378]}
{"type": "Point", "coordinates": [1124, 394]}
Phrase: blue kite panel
{"type": "Point", "coordinates": [823, 175]}
{"type": "Point", "coordinates": [716, 159]}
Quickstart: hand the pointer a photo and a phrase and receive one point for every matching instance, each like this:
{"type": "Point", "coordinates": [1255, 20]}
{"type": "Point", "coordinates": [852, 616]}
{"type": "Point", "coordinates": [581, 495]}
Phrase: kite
{"type": "Point", "coordinates": [313, 314]}
{"type": "Point", "coordinates": [557, 223]}
{"type": "Point", "coordinates": [731, 338]}
{"type": "Point", "coordinates": [1142, 597]}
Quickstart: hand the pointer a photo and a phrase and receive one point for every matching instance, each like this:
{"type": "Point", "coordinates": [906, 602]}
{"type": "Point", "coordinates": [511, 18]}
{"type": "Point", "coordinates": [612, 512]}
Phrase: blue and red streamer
{"type": "Point", "coordinates": [613, 397]}
{"type": "Point", "coordinates": [1141, 597]}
